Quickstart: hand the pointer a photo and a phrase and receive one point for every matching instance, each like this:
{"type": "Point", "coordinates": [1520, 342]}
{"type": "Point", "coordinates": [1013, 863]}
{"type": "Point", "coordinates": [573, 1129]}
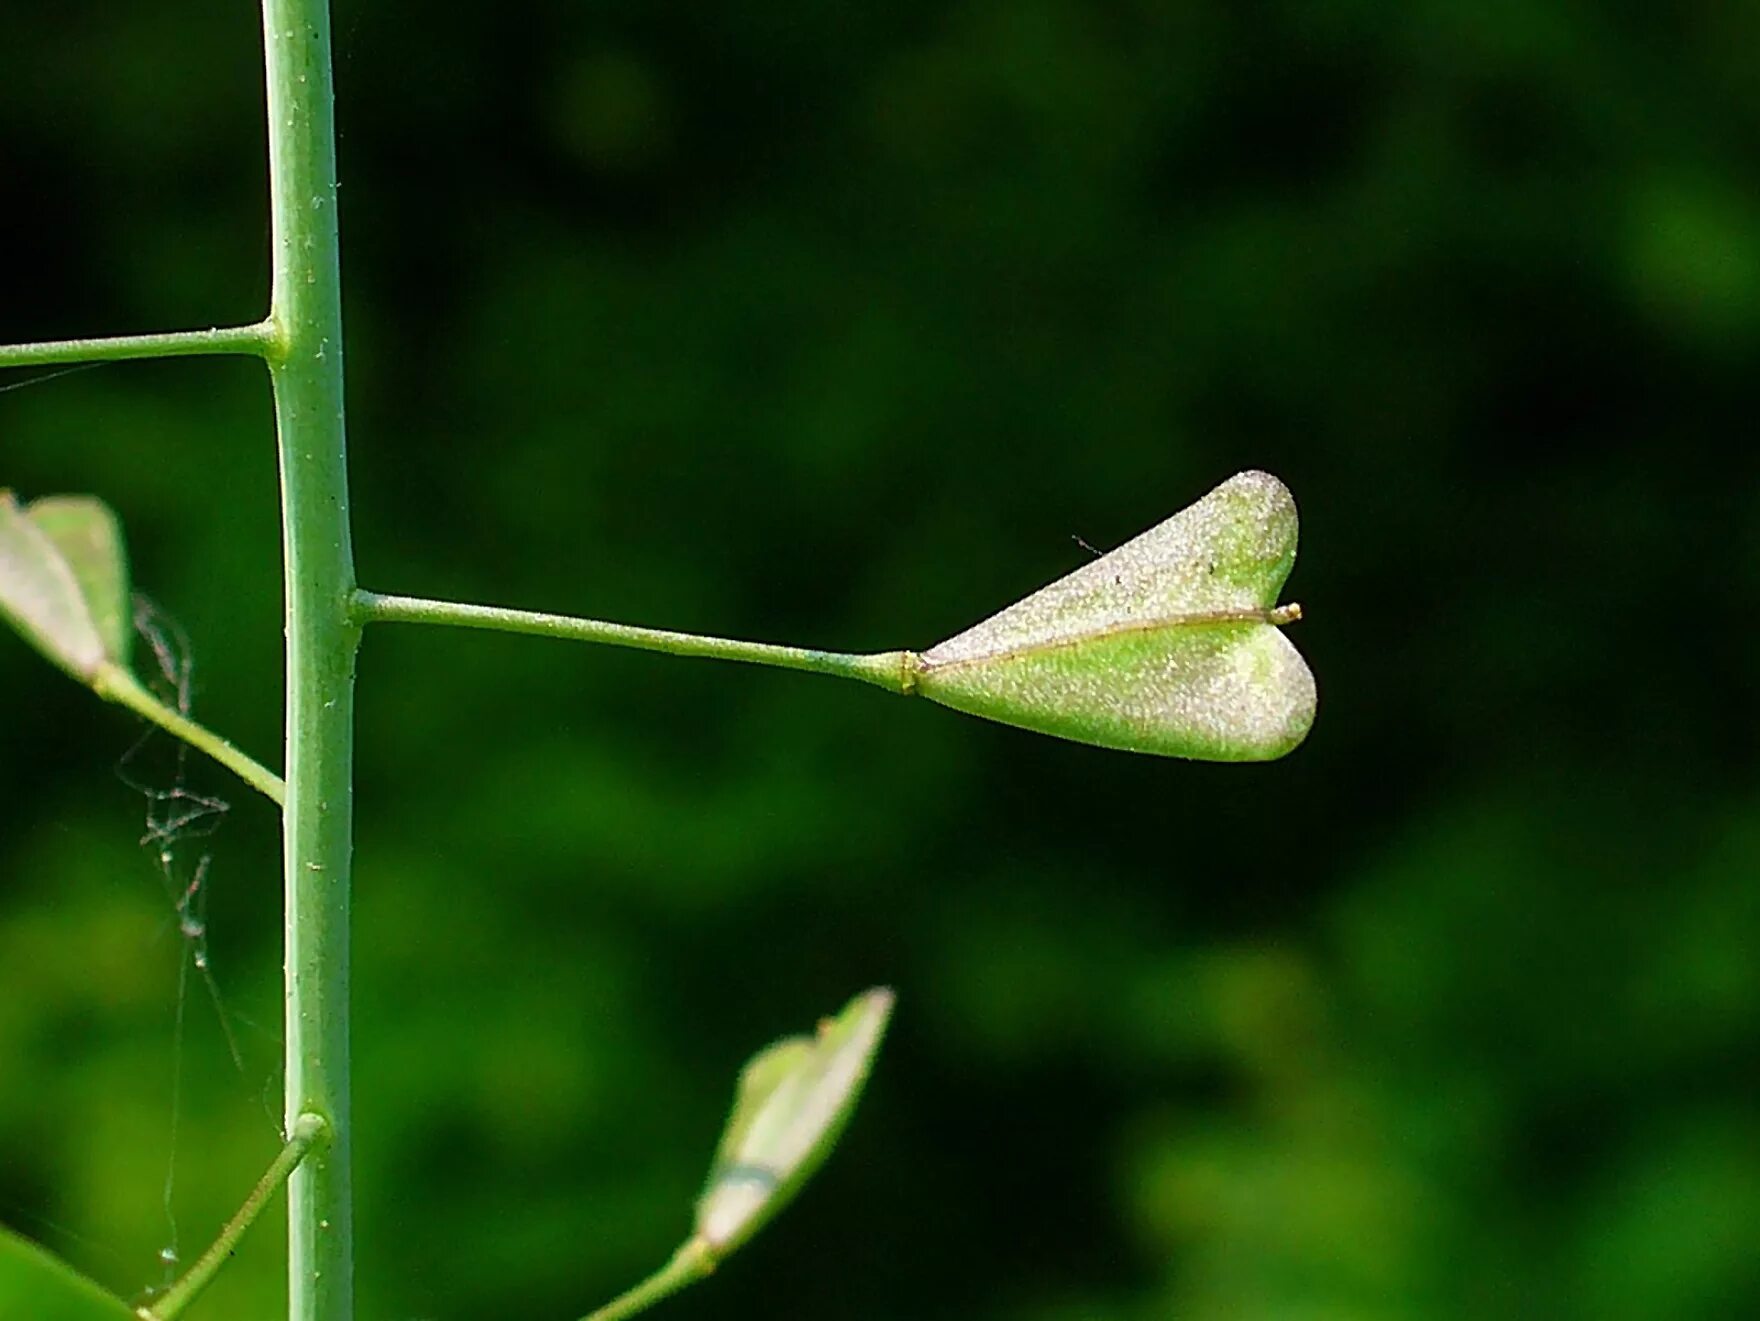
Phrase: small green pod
{"type": "Point", "coordinates": [64, 581]}
{"type": "Point", "coordinates": [1171, 644]}
{"type": "Point", "coordinates": [793, 1101]}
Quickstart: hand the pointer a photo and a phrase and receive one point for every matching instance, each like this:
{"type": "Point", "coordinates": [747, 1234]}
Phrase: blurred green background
{"type": "Point", "coordinates": [833, 324]}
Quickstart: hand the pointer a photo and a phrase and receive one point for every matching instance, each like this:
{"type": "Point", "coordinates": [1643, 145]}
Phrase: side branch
{"type": "Point", "coordinates": [308, 1131]}
{"type": "Point", "coordinates": [115, 684]}
{"type": "Point", "coordinates": [886, 669]}
{"type": "Point", "coordinates": [250, 341]}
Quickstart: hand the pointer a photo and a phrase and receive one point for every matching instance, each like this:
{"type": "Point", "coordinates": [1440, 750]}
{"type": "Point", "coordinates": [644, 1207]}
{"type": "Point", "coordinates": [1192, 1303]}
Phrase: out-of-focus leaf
{"type": "Point", "coordinates": [1170, 644]}
{"type": "Point", "coordinates": [64, 581]}
{"type": "Point", "coordinates": [39, 1286]}
{"type": "Point", "coordinates": [793, 1101]}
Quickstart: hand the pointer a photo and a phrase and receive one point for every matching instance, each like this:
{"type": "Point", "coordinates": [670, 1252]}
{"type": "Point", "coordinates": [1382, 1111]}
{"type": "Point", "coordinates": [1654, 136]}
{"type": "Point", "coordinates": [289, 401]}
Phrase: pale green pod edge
{"type": "Point", "coordinates": [86, 532]}
{"type": "Point", "coordinates": [1170, 645]}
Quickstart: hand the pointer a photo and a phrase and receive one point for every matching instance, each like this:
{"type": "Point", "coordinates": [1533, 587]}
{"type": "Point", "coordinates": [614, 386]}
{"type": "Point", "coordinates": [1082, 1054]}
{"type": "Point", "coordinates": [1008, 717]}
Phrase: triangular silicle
{"type": "Point", "coordinates": [1170, 645]}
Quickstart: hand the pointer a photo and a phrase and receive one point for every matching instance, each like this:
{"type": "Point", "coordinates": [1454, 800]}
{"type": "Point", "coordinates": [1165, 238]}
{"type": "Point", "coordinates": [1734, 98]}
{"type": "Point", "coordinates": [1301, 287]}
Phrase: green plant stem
{"type": "Point", "coordinates": [307, 1132]}
{"type": "Point", "coordinates": [249, 340]}
{"type": "Point", "coordinates": [305, 366]}
{"type": "Point", "coordinates": [692, 1262]}
{"type": "Point", "coordinates": [887, 669]}
{"type": "Point", "coordinates": [115, 684]}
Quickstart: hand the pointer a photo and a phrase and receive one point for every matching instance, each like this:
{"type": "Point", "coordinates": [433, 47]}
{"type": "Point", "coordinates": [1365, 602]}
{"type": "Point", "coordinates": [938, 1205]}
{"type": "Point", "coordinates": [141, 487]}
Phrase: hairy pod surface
{"type": "Point", "coordinates": [1171, 644]}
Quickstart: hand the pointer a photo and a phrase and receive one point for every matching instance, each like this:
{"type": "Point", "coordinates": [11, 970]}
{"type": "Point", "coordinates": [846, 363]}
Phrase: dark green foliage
{"type": "Point", "coordinates": [832, 324]}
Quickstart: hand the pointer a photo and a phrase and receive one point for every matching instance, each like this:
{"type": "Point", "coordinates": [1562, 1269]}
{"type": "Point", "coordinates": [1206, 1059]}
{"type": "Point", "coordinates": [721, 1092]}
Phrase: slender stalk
{"type": "Point", "coordinates": [886, 669]}
{"type": "Point", "coordinates": [305, 365]}
{"type": "Point", "coordinates": [169, 1305]}
{"type": "Point", "coordinates": [250, 340]}
{"type": "Point", "coordinates": [692, 1262]}
{"type": "Point", "coordinates": [115, 684]}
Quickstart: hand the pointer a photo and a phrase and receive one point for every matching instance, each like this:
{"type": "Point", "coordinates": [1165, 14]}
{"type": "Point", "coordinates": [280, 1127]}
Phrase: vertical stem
{"type": "Point", "coordinates": [305, 364]}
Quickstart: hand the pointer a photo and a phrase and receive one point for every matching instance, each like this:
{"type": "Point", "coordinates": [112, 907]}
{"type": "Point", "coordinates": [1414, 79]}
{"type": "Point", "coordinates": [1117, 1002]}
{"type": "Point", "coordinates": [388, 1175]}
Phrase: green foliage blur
{"type": "Point", "coordinates": [834, 324]}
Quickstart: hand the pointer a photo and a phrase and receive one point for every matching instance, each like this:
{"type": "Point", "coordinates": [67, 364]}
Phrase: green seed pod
{"type": "Point", "coordinates": [794, 1099]}
{"type": "Point", "coordinates": [64, 581]}
{"type": "Point", "coordinates": [1171, 644]}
